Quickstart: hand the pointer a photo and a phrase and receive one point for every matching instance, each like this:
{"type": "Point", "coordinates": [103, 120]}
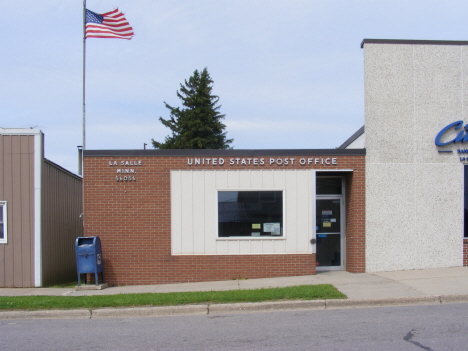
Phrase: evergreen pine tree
{"type": "Point", "coordinates": [198, 124]}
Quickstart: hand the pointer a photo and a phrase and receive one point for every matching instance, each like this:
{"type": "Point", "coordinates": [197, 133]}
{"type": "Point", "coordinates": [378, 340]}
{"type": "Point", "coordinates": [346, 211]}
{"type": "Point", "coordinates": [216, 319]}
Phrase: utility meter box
{"type": "Point", "coordinates": [89, 257]}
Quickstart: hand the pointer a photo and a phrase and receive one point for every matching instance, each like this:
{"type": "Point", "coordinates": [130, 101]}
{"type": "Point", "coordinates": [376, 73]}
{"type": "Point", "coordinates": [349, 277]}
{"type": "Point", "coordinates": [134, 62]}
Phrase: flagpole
{"type": "Point", "coordinates": [84, 75]}
{"type": "Point", "coordinates": [84, 115]}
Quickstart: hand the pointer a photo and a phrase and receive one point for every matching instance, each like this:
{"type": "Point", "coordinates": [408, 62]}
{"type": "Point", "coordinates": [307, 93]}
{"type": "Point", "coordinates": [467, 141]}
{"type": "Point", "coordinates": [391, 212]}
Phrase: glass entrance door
{"type": "Point", "coordinates": [329, 233]}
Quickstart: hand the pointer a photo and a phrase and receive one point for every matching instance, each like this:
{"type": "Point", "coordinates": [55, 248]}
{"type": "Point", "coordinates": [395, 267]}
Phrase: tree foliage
{"type": "Point", "coordinates": [198, 124]}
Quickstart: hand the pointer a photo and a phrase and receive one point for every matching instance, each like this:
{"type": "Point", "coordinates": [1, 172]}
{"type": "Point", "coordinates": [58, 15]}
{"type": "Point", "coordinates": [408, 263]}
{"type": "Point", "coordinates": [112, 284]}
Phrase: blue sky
{"type": "Point", "coordinates": [289, 74]}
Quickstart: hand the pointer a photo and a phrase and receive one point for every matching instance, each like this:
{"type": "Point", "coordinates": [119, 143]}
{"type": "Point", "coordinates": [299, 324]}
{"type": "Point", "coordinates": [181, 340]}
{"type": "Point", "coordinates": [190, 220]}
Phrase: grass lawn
{"type": "Point", "coordinates": [302, 292]}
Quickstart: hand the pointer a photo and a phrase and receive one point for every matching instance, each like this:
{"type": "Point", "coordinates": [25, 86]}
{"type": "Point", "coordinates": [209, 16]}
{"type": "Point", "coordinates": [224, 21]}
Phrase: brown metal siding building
{"type": "Point", "coordinates": [41, 205]}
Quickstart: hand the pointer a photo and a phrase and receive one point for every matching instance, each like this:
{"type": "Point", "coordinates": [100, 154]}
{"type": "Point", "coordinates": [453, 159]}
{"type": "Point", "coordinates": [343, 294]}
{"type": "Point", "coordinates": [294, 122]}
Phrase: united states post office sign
{"type": "Point", "coordinates": [261, 161]}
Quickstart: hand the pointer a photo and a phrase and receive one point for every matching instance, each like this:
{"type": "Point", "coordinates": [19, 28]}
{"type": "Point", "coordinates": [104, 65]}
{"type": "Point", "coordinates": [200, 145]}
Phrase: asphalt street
{"type": "Point", "coordinates": [428, 327]}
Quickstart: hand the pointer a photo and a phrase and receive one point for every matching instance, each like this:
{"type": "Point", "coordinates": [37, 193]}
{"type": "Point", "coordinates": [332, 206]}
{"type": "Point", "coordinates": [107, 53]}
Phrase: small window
{"type": "Point", "coordinates": [250, 214]}
{"type": "Point", "coordinates": [3, 224]}
{"type": "Point", "coordinates": [329, 186]}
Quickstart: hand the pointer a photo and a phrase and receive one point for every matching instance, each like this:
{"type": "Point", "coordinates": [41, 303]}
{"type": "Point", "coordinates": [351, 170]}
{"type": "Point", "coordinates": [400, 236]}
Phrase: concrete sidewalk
{"type": "Point", "coordinates": [387, 288]}
{"type": "Point", "coordinates": [428, 282]}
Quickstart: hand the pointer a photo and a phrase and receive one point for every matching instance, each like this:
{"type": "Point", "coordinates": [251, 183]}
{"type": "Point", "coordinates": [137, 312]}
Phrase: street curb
{"type": "Point", "coordinates": [361, 303]}
{"type": "Point", "coordinates": [46, 314]}
{"type": "Point", "coordinates": [454, 298]}
{"type": "Point", "coordinates": [266, 306]}
{"type": "Point", "coordinates": [132, 312]}
{"type": "Point", "coordinates": [213, 309]}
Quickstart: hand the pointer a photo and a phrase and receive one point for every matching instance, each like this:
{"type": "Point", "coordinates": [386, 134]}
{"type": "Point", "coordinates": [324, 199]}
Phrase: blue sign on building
{"type": "Point", "coordinates": [461, 137]}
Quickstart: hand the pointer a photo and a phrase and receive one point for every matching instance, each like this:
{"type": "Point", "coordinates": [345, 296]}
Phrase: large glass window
{"type": "Point", "coordinates": [250, 213]}
{"type": "Point", "coordinates": [466, 200]}
{"type": "Point", "coordinates": [3, 226]}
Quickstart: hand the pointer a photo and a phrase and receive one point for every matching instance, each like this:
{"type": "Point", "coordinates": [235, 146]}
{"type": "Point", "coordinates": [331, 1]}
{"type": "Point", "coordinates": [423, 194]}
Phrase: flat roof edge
{"type": "Point", "coordinates": [224, 153]}
{"type": "Point", "coordinates": [19, 131]}
{"type": "Point", "coordinates": [413, 42]}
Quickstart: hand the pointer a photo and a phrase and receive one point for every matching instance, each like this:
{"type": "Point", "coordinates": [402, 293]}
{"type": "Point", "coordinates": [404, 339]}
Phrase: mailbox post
{"type": "Point", "coordinates": [89, 257]}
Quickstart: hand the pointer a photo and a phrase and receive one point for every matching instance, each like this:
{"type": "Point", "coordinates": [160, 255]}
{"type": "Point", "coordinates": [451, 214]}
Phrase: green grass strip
{"type": "Point", "coordinates": [302, 292]}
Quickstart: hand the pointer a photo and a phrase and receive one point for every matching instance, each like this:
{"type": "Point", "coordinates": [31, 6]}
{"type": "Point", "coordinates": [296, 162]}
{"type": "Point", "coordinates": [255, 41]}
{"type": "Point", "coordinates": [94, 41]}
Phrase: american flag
{"type": "Point", "coordinates": [107, 25]}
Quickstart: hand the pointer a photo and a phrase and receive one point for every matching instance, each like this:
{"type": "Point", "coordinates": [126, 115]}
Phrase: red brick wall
{"type": "Point", "coordinates": [465, 252]}
{"type": "Point", "coordinates": [133, 221]}
{"type": "Point", "coordinates": [355, 220]}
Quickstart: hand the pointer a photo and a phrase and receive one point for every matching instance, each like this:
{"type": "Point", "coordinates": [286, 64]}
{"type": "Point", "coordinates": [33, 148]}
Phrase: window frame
{"type": "Point", "coordinates": [3, 208]}
{"type": "Point", "coordinates": [237, 238]}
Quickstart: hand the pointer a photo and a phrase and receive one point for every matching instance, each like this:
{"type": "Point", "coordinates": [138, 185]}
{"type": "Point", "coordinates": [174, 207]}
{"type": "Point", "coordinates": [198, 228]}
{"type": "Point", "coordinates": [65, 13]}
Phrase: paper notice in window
{"type": "Point", "coordinates": [255, 233]}
{"type": "Point", "coordinates": [273, 228]}
{"type": "Point", "coordinates": [256, 226]}
{"type": "Point", "coordinates": [326, 224]}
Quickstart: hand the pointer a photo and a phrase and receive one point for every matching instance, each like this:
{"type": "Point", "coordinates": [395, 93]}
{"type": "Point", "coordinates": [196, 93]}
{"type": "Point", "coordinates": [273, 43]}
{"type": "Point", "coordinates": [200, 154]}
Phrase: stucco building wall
{"type": "Point", "coordinates": [414, 194]}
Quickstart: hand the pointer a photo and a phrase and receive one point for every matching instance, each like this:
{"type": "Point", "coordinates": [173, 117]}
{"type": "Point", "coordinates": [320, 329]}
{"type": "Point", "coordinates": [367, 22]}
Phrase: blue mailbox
{"type": "Point", "coordinates": [89, 257]}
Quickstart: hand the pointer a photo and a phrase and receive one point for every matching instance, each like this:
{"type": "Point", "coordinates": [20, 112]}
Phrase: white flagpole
{"type": "Point", "coordinates": [84, 119]}
{"type": "Point", "coordinates": [84, 78]}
